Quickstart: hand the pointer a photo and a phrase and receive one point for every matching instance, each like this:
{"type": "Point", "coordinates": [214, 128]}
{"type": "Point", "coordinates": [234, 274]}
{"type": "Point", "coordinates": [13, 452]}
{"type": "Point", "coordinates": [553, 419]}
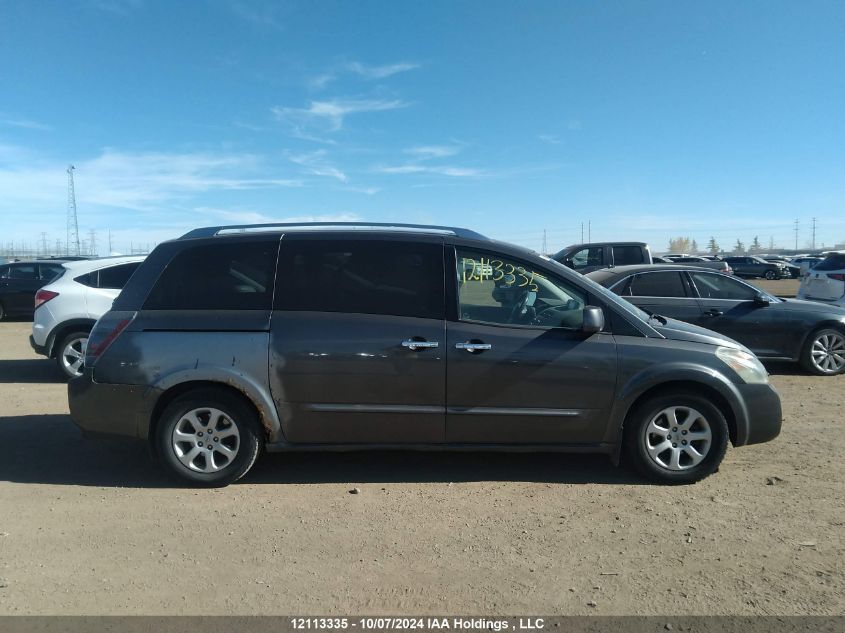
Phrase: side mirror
{"type": "Point", "coordinates": [761, 300]}
{"type": "Point", "coordinates": [567, 261]}
{"type": "Point", "coordinates": [593, 320]}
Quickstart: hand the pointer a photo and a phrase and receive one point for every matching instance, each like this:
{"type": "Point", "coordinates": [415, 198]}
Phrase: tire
{"type": "Point", "coordinates": [70, 353]}
{"type": "Point", "coordinates": [695, 416]}
{"type": "Point", "coordinates": [824, 352]}
{"type": "Point", "coordinates": [770, 275]}
{"type": "Point", "coordinates": [183, 427]}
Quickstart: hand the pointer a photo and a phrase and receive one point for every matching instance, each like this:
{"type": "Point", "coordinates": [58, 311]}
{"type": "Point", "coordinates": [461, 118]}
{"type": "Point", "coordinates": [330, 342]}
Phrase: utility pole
{"type": "Point", "coordinates": [92, 242]}
{"type": "Point", "coordinates": [43, 244]}
{"type": "Point", "coordinates": [543, 250]}
{"type": "Point", "coordinates": [589, 231]}
{"type": "Point", "coordinates": [110, 248]}
{"type": "Point", "coordinates": [582, 232]}
{"type": "Point", "coordinates": [814, 233]}
{"type": "Point", "coordinates": [796, 234]}
{"type": "Point", "coordinates": [72, 224]}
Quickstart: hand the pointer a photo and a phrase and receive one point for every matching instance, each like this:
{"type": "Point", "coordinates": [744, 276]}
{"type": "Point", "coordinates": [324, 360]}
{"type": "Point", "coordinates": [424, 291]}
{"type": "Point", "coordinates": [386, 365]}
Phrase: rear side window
{"type": "Point", "coordinates": [832, 262]}
{"type": "Point", "coordinates": [625, 255]}
{"type": "Point", "coordinates": [224, 276]}
{"type": "Point", "coordinates": [663, 284]}
{"type": "Point", "coordinates": [115, 277]}
{"type": "Point", "coordinates": [26, 271]}
{"type": "Point", "coordinates": [51, 272]}
{"type": "Point", "coordinates": [361, 276]}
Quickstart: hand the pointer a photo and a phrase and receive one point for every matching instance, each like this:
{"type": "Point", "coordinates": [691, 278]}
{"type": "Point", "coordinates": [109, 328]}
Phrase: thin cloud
{"type": "Point", "coordinates": [440, 170]}
{"type": "Point", "coordinates": [380, 72]}
{"type": "Point", "coordinates": [261, 14]}
{"type": "Point", "coordinates": [551, 139]}
{"type": "Point", "coordinates": [424, 152]}
{"type": "Point", "coordinates": [315, 163]}
{"type": "Point", "coordinates": [27, 124]}
{"type": "Point", "coordinates": [330, 115]}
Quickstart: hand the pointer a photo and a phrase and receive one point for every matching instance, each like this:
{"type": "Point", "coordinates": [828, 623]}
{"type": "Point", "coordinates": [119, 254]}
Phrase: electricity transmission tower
{"type": "Point", "coordinates": [72, 244]}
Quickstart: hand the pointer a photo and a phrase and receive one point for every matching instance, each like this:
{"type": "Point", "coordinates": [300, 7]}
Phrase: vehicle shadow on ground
{"type": "Point", "coordinates": [49, 449]}
{"type": "Point", "coordinates": [782, 368]}
{"type": "Point", "coordinates": [30, 370]}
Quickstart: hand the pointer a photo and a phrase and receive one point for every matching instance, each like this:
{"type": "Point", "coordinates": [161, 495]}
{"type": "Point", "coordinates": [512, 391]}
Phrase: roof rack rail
{"type": "Point", "coordinates": [211, 231]}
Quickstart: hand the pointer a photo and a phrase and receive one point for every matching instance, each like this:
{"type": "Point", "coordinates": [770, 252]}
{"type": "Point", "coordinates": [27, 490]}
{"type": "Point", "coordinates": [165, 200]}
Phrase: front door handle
{"type": "Point", "coordinates": [415, 345]}
{"type": "Point", "coordinates": [713, 313]}
{"type": "Point", "coordinates": [473, 347]}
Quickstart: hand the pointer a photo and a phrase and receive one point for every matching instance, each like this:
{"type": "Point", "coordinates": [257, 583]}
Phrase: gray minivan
{"type": "Point", "coordinates": [233, 340]}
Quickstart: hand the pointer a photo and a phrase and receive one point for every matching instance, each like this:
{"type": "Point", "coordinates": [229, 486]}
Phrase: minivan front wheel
{"type": "Point", "coordinates": [208, 437]}
{"type": "Point", "coordinates": [676, 439]}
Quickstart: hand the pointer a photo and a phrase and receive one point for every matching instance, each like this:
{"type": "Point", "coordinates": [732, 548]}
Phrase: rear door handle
{"type": "Point", "coordinates": [415, 345]}
{"type": "Point", "coordinates": [713, 313]}
{"type": "Point", "coordinates": [473, 347]}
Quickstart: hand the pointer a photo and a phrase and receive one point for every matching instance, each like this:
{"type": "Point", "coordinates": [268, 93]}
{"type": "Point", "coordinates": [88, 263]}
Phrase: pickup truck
{"type": "Point", "coordinates": [585, 258]}
{"type": "Point", "coordinates": [701, 262]}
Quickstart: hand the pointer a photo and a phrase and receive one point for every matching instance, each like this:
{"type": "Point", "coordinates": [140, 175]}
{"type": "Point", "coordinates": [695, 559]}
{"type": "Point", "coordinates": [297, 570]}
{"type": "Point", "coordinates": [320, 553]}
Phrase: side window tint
{"type": "Point", "coordinates": [722, 287]}
{"type": "Point", "coordinates": [89, 279]}
{"type": "Point", "coordinates": [50, 272]}
{"type": "Point", "coordinates": [500, 290]}
{"type": "Point", "coordinates": [233, 276]}
{"type": "Point", "coordinates": [668, 284]}
{"type": "Point", "coordinates": [116, 277]}
{"type": "Point", "coordinates": [593, 256]}
{"type": "Point", "coordinates": [625, 255]}
{"type": "Point", "coordinates": [26, 271]}
{"type": "Point", "coordinates": [361, 276]}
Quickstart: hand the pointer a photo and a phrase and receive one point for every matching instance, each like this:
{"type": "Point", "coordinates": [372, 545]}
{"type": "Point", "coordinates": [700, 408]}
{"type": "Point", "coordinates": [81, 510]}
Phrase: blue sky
{"type": "Point", "coordinates": [647, 119]}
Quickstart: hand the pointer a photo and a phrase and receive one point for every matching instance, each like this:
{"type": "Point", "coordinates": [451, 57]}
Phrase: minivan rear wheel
{"type": "Point", "coordinates": [208, 437]}
{"type": "Point", "coordinates": [676, 439]}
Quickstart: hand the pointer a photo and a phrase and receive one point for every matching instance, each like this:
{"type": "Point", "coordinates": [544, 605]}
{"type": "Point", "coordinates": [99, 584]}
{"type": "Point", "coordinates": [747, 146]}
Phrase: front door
{"type": "Point", "coordinates": [357, 351]}
{"type": "Point", "coordinates": [728, 307]}
{"type": "Point", "coordinates": [520, 371]}
{"type": "Point", "coordinates": [22, 284]}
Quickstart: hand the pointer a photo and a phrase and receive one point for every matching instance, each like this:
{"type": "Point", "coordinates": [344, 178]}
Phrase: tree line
{"type": "Point", "coordinates": [689, 245]}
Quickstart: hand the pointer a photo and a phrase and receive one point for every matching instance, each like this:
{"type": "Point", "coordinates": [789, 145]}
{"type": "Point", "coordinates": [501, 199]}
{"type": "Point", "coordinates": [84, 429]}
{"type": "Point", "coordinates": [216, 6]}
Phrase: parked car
{"type": "Point", "coordinates": [752, 266]}
{"type": "Point", "coordinates": [694, 260]}
{"type": "Point", "coordinates": [793, 269]}
{"type": "Point", "coordinates": [806, 263]}
{"type": "Point", "coordinates": [826, 281]}
{"type": "Point", "coordinates": [19, 281]}
{"type": "Point", "coordinates": [66, 309]}
{"type": "Point", "coordinates": [772, 328]}
{"type": "Point", "coordinates": [660, 260]}
{"type": "Point", "coordinates": [584, 258]}
{"type": "Point", "coordinates": [316, 337]}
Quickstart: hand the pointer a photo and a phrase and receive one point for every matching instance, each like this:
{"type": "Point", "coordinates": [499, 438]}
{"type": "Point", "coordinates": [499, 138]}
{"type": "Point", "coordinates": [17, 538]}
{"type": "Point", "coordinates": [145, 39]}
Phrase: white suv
{"type": "Point", "coordinates": [826, 281]}
{"type": "Point", "coordinates": [67, 308]}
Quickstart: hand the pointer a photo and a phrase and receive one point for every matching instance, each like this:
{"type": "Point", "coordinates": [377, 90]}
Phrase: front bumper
{"type": "Point", "coordinates": [39, 349]}
{"type": "Point", "coordinates": [104, 409]}
{"type": "Point", "coordinates": [764, 414]}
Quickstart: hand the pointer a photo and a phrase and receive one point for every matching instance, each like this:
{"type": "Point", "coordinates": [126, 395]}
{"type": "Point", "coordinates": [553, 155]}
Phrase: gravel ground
{"type": "Point", "coordinates": [92, 527]}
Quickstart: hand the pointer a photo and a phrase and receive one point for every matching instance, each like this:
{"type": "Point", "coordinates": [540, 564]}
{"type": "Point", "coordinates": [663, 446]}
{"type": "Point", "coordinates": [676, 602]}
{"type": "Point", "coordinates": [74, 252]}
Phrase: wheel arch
{"type": "Point", "coordinates": [63, 329]}
{"type": "Point", "coordinates": [170, 394]}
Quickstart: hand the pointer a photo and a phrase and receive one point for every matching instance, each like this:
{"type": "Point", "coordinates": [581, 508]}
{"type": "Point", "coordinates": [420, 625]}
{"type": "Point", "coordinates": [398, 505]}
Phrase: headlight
{"type": "Point", "coordinates": [746, 365]}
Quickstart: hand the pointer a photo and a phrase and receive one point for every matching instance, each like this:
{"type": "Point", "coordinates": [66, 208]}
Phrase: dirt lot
{"type": "Point", "coordinates": [92, 527]}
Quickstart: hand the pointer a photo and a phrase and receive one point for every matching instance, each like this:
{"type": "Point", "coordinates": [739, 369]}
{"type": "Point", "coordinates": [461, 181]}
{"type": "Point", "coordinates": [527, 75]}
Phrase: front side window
{"type": "Point", "coordinates": [626, 255]}
{"type": "Point", "coordinates": [361, 276]}
{"type": "Point", "coordinates": [663, 284]}
{"type": "Point", "coordinates": [593, 256]}
{"type": "Point", "coordinates": [722, 287]}
{"type": "Point", "coordinates": [501, 290]}
{"type": "Point", "coordinates": [115, 277]}
{"type": "Point", "coordinates": [233, 276]}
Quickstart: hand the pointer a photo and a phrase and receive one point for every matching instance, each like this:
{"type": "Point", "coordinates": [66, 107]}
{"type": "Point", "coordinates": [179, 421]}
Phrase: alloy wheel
{"type": "Point", "coordinates": [678, 438]}
{"type": "Point", "coordinates": [73, 355]}
{"type": "Point", "coordinates": [205, 440]}
{"type": "Point", "coordinates": [828, 352]}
